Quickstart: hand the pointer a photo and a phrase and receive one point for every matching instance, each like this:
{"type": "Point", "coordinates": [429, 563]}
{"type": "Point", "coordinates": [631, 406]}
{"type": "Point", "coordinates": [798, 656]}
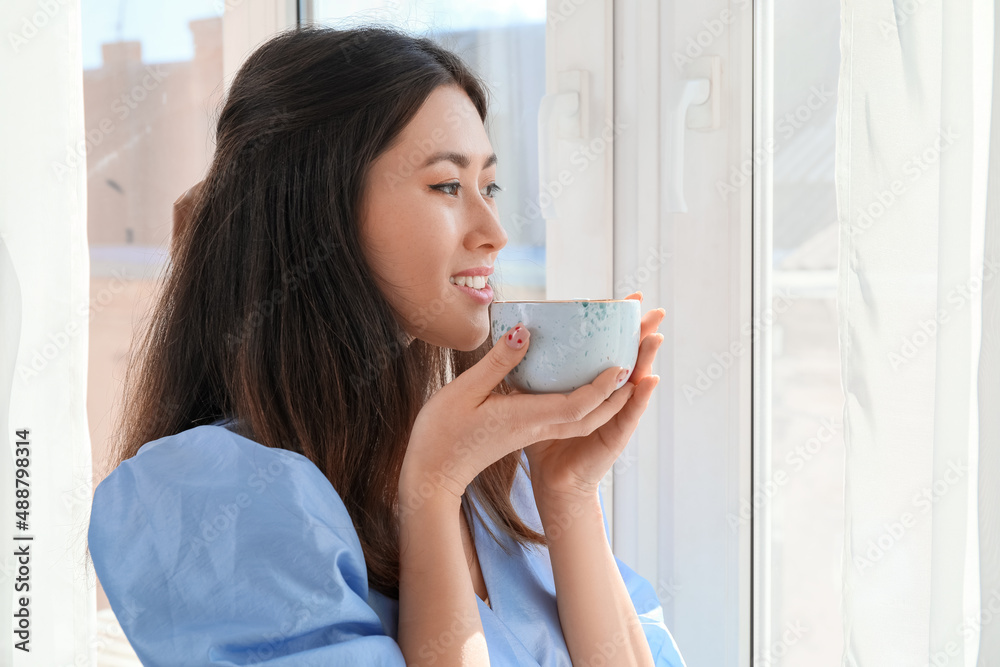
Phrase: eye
{"type": "Point", "coordinates": [491, 189]}
{"type": "Point", "coordinates": [443, 187]}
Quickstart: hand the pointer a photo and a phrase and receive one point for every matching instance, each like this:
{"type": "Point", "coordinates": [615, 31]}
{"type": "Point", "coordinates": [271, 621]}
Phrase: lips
{"type": "Point", "coordinates": [475, 271]}
{"type": "Point", "coordinates": [482, 296]}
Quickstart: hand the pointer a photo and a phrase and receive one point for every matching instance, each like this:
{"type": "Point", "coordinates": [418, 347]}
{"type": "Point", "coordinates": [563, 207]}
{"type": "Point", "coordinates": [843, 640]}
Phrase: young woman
{"type": "Point", "coordinates": [320, 462]}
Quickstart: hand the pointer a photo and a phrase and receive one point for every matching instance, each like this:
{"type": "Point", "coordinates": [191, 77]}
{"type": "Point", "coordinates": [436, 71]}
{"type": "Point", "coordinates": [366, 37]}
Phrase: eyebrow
{"type": "Point", "coordinates": [461, 159]}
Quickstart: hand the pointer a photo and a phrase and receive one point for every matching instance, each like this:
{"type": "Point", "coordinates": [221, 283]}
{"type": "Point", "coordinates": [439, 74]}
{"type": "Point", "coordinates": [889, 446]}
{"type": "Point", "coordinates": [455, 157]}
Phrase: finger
{"type": "Point", "coordinates": [647, 352]}
{"type": "Point", "coordinates": [189, 195]}
{"type": "Point", "coordinates": [624, 422]}
{"type": "Point", "coordinates": [597, 418]}
{"type": "Point", "coordinates": [541, 411]}
{"type": "Point", "coordinates": [182, 207]}
{"type": "Point", "coordinates": [180, 216]}
{"type": "Point", "coordinates": [480, 380]}
{"type": "Point", "coordinates": [651, 321]}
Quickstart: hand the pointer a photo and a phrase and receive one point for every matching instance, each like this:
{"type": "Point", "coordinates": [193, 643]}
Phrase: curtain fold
{"type": "Point", "coordinates": [917, 305]}
{"type": "Point", "coordinates": [988, 480]}
{"type": "Point", "coordinates": [48, 594]}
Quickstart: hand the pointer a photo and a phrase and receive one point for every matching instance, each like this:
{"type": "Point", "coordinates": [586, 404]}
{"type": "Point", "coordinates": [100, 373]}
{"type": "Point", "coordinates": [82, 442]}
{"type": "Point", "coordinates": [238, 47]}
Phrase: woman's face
{"type": "Point", "coordinates": [428, 214]}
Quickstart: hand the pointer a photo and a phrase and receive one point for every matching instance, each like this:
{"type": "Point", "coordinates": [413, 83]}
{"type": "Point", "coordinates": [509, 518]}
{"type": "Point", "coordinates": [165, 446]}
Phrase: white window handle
{"type": "Point", "coordinates": [560, 116]}
{"type": "Point", "coordinates": [692, 92]}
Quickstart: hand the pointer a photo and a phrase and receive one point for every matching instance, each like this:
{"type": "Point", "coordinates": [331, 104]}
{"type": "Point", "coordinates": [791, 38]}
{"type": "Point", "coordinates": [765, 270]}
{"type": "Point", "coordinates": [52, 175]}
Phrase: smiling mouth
{"type": "Point", "coordinates": [475, 282]}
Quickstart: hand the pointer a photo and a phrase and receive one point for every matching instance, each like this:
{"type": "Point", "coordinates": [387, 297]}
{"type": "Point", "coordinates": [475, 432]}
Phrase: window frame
{"type": "Point", "coordinates": [661, 523]}
{"type": "Point", "coordinates": [672, 529]}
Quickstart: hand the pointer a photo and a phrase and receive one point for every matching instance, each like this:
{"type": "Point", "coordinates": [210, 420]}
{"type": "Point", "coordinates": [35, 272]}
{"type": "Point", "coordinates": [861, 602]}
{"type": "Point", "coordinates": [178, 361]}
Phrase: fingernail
{"type": "Point", "coordinates": [517, 336]}
{"type": "Point", "coordinates": [622, 375]}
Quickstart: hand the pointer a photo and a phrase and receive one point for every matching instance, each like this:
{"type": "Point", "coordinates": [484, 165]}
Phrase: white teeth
{"type": "Point", "coordinates": [476, 282]}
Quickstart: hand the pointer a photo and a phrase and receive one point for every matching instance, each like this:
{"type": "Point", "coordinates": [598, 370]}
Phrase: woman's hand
{"type": "Point", "coordinates": [465, 427]}
{"type": "Point", "coordinates": [183, 207]}
{"type": "Point", "coordinates": [573, 467]}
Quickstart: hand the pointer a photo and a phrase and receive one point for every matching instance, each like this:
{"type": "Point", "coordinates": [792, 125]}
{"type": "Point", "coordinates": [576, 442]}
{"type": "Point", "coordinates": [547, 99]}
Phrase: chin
{"type": "Point", "coordinates": [463, 340]}
{"type": "Point", "coordinates": [472, 336]}
{"type": "Point", "coordinates": [472, 343]}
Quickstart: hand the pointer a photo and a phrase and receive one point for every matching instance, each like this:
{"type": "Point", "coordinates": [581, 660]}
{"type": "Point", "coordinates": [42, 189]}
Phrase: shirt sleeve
{"type": "Point", "coordinates": [648, 607]}
{"type": "Point", "coordinates": [216, 550]}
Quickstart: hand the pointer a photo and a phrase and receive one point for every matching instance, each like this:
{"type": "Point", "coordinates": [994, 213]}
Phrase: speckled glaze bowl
{"type": "Point", "coordinates": [572, 342]}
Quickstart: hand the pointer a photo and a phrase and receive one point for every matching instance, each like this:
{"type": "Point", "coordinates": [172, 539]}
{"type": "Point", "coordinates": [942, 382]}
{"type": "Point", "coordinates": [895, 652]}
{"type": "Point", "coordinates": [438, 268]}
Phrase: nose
{"type": "Point", "coordinates": [485, 228]}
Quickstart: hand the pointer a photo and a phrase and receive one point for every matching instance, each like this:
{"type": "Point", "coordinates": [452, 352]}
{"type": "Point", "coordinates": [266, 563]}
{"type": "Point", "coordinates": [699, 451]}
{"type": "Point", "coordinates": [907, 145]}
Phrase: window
{"type": "Point", "coordinates": [806, 495]}
{"type": "Point", "coordinates": [152, 80]}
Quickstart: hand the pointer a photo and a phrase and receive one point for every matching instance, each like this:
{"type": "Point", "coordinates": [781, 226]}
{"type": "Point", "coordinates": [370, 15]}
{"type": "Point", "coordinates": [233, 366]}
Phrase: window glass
{"type": "Point", "coordinates": [152, 81]}
{"type": "Point", "coordinates": [807, 455]}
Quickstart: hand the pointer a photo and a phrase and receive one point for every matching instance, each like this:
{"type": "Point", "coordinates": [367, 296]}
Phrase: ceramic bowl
{"type": "Point", "coordinates": [572, 342]}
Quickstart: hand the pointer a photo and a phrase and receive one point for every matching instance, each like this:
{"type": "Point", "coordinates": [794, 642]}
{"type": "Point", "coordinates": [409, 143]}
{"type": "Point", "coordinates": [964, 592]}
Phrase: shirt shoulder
{"type": "Point", "coordinates": [213, 548]}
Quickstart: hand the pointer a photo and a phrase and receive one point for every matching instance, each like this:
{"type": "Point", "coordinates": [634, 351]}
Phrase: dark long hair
{"type": "Point", "coordinates": [269, 312]}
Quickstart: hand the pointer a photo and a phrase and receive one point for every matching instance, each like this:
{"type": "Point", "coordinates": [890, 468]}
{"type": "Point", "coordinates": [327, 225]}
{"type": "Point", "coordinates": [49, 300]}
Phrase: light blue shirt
{"type": "Point", "coordinates": [216, 550]}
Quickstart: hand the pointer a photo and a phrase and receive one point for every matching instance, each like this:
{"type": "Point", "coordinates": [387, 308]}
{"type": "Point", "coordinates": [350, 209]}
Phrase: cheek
{"type": "Point", "coordinates": [383, 236]}
{"type": "Point", "coordinates": [412, 241]}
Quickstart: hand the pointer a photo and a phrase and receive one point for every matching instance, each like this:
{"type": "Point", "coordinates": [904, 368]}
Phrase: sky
{"type": "Point", "coordinates": [162, 26]}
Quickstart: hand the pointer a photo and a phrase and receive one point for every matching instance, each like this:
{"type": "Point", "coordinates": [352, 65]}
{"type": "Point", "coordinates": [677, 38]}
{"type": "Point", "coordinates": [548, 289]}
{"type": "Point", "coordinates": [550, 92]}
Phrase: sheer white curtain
{"type": "Point", "coordinates": [44, 289]}
{"type": "Point", "coordinates": [918, 181]}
